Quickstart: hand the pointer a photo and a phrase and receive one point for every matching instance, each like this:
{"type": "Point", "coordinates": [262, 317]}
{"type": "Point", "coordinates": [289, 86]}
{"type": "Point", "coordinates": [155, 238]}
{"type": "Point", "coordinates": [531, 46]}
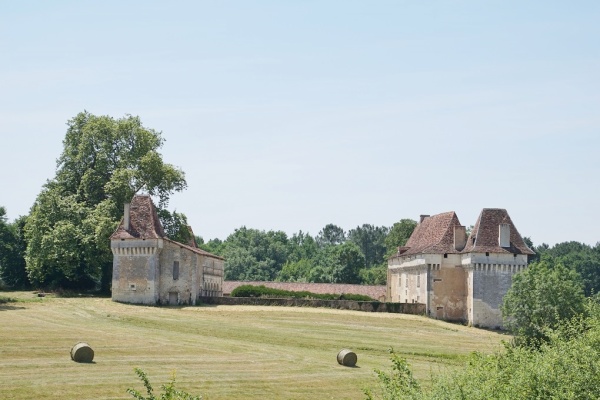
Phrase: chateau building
{"type": "Point", "coordinates": [149, 268]}
{"type": "Point", "coordinates": [459, 278]}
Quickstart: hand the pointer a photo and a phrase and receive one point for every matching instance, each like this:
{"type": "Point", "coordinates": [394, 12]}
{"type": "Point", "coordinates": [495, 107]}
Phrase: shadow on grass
{"type": "Point", "coordinates": [6, 307]}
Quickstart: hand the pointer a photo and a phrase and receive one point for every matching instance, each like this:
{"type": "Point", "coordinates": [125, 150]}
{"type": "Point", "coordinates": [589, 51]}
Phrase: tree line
{"type": "Point", "coordinates": [358, 256]}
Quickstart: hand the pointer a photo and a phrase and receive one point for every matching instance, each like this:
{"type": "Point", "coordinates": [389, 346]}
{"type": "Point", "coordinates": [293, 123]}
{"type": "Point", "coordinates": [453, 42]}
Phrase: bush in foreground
{"type": "Point", "coordinates": [169, 391]}
{"type": "Point", "coordinates": [566, 366]}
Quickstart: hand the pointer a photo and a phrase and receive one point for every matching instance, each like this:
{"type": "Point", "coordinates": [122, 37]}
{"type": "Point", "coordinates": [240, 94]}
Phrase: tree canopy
{"type": "Point", "coordinates": [104, 162]}
{"type": "Point", "coordinates": [540, 298]}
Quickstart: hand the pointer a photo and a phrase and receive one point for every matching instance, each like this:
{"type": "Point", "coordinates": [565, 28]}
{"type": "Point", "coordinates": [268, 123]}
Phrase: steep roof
{"type": "Point", "coordinates": [145, 224]}
{"type": "Point", "coordinates": [433, 235]}
{"type": "Point", "coordinates": [484, 236]}
{"type": "Point", "coordinates": [196, 250]}
{"type": "Point", "coordinates": [143, 221]}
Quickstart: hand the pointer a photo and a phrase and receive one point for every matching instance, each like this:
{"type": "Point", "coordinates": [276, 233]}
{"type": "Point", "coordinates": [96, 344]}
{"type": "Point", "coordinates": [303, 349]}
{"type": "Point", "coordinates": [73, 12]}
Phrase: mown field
{"type": "Point", "coordinates": [222, 352]}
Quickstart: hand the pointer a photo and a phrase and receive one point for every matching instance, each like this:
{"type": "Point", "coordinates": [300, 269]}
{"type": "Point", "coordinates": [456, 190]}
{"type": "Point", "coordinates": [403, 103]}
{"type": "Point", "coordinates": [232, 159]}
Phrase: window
{"type": "Point", "coordinates": [419, 280]}
{"type": "Point", "coordinates": [175, 270]}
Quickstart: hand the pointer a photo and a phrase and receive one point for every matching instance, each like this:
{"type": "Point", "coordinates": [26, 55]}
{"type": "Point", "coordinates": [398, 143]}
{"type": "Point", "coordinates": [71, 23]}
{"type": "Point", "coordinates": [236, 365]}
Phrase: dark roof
{"type": "Point", "coordinates": [484, 236]}
{"type": "Point", "coordinates": [434, 234]}
{"type": "Point", "coordinates": [145, 224]}
{"type": "Point", "coordinates": [143, 221]}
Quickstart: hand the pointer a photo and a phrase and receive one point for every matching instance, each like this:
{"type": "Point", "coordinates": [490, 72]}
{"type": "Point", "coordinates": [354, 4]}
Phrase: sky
{"type": "Point", "coordinates": [290, 115]}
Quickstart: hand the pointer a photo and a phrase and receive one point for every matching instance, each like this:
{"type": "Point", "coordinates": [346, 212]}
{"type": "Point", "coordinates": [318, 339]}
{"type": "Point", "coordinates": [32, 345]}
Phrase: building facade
{"type": "Point", "coordinates": [149, 268]}
{"type": "Point", "coordinates": [459, 278]}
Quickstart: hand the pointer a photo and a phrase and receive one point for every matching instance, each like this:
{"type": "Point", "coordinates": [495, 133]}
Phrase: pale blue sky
{"type": "Point", "coordinates": [290, 115]}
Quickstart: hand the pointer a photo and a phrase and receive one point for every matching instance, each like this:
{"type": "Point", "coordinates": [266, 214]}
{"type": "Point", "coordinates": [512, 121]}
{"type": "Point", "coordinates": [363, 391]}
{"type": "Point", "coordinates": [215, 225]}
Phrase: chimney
{"type": "Point", "coordinates": [460, 237]}
{"type": "Point", "coordinates": [422, 218]}
{"type": "Point", "coordinates": [504, 235]}
{"type": "Point", "coordinates": [126, 217]}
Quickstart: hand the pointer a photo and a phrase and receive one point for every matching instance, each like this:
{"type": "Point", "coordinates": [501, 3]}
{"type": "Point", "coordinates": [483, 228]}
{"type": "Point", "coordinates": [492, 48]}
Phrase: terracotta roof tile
{"type": "Point", "coordinates": [484, 236]}
{"type": "Point", "coordinates": [434, 234]}
{"type": "Point", "coordinates": [144, 223]}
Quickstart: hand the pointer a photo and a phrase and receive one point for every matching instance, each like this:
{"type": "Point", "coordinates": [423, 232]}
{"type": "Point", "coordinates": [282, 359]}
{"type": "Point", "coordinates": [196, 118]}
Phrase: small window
{"type": "Point", "coordinates": [445, 255]}
{"type": "Point", "coordinates": [419, 280]}
{"type": "Point", "coordinates": [132, 286]}
{"type": "Point", "coordinates": [175, 270]}
{"type": "Point", "coordinates": [487, 254]}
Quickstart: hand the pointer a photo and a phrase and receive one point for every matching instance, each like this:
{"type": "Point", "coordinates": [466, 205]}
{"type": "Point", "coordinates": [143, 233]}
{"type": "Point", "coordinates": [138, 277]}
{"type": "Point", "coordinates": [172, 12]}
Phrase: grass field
{"type": "Point", "coordinates": [222, 352]}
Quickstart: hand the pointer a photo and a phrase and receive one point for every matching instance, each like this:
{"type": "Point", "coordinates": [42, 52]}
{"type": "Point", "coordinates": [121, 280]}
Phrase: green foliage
{"type": "Point", "coordinates": [169, 391]}
{"type": "Point", "coordinates": [566, 366]}
{"type": "Point", "coordinates": [398, 384]}
{"type": "Point", "coordinates": [374, 276]}
{"type": "Point", "coordinates": [103, 164]}
{"type": "Point", "coordinates": [331, 235]}
{"type": "Point", "coordinates": [331, 257]}
{"type": "Point", "coordinates": [263, 291]}
{"type": "Point", "coordinates": [371, 241]}
{"type": "Point", "coordinates": [540, 298]}
{"type": "Point", "coordinates": [399, 235]}
{"type": "Point", "coordinates": [252, 254]}
{"type": "Point", "coordinates": [4, 300]}
{"type": "Point", "coordinates": [12, 252]}
{"type": "Point", "coordinates": [176, 226]}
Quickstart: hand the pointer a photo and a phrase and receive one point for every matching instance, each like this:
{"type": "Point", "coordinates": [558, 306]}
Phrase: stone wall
{"type": "Point", "coordinates": [368, 306]}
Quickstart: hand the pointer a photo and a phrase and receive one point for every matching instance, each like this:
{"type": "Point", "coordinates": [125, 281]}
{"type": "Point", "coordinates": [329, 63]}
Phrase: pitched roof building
{"type": "Point", "coordinates": [459, 278]}
{"type": "Point", "coordinates": [149, 268]}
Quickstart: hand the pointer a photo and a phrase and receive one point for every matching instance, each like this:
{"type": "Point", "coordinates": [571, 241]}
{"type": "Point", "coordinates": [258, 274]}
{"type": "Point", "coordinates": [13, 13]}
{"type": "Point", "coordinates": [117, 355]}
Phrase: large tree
{"type": "Point", "coordinates": [252, 254]}
{"type": "Point", "coordinates": [399, 235]}
{"type": "Point", "coordinates": [370, 240]}
{"type": "Point", "coordinates": [105, 161]}
{"type": "Point", "coordinates": [540, 298]}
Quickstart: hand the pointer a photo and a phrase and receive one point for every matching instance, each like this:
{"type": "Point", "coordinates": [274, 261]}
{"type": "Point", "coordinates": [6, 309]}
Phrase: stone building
{"type": "Point", "coordinates": [149, 268]}
{"type": "Point", "coordinates": [459, 278]}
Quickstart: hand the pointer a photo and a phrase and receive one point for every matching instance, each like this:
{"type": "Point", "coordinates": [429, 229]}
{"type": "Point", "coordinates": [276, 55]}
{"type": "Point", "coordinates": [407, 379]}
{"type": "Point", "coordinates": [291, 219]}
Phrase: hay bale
{"type": "Point", "coordinates": [82, 352]}
{"type": "Point", "coordinates": [346, 358]}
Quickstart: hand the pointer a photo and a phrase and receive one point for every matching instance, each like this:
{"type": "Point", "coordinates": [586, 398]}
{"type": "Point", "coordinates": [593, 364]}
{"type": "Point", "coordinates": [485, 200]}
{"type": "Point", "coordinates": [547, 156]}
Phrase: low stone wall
{"type": "Point", "coordinates": [368, 306]}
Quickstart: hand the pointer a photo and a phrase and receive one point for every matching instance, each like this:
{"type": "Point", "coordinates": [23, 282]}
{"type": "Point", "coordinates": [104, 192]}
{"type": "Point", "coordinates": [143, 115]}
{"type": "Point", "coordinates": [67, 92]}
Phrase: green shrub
{"type": "Point", "coordinates": [169, 391]}
{"type": "Point", "coordinates": [263, 291]}
{"type": "Point", "coordinates": [4, 299]}
{"type": "Point", "coordinates": [565, 366]}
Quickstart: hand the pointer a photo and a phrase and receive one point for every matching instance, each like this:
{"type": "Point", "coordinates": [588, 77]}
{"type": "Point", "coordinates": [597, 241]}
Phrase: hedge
{"type": "Point", "coordinates": [263, 291]}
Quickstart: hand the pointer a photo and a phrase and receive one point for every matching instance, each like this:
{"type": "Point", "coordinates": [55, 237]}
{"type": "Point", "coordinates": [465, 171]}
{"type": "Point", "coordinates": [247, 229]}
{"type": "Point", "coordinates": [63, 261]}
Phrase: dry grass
{"type": "Point", "coordinates": [223, 352]}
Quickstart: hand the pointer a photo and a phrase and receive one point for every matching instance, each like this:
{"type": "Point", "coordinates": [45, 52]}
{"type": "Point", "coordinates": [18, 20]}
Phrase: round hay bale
{"type": "Point", "coordinates": [347, 358]}
{"type": "Point", "coordinates": [82, 352]}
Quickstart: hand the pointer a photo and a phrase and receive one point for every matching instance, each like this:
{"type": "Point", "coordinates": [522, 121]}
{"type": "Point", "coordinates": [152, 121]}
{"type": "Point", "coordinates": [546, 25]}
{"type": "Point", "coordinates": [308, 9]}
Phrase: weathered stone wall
{"type": "Point", "coordinates": [212, 277]}
{"type": "Point", "coordinates": [448, 292]}
{"type": "Point", "coordinates": [135, 270]}
{"type": "Point", "coordinates": [489, 282]}
{"type": "Point", "coordinates": [369, 306]}
{"type": "Point", "coordinates": [184, 289]}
